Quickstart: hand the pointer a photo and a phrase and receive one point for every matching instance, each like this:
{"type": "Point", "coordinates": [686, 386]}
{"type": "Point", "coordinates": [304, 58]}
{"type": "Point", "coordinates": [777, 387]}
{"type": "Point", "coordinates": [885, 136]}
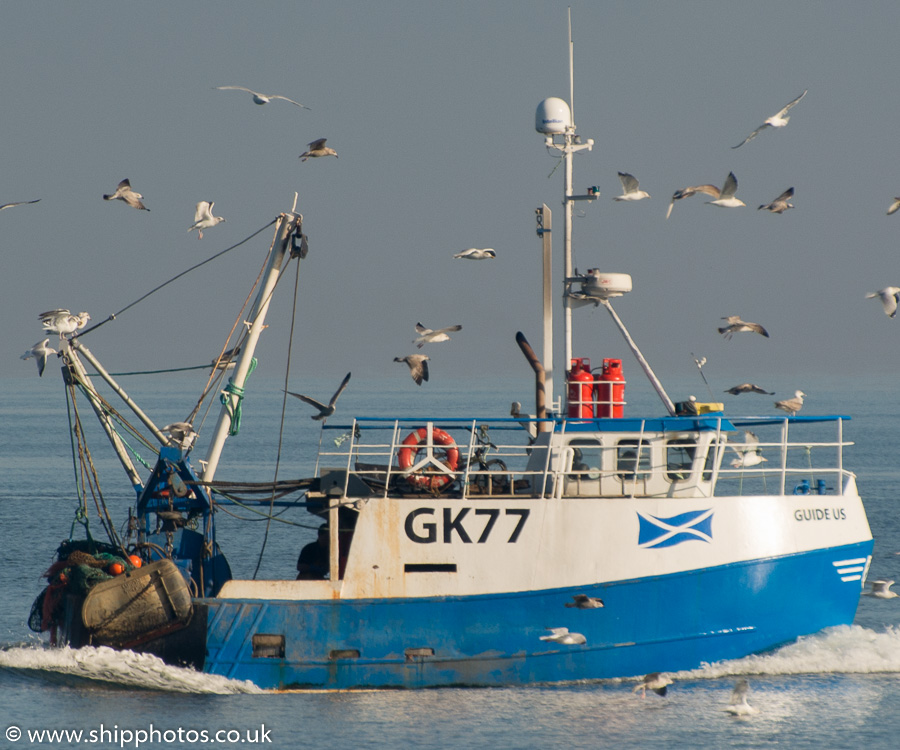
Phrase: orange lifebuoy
{"type": "Point", "coordinates": [406, 457]}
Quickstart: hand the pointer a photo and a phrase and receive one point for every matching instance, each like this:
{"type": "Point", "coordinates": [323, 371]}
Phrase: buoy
{"type": "Point", "coordinates": [135, 560]}
{"type": "Point", "coordinates": [116, 569]}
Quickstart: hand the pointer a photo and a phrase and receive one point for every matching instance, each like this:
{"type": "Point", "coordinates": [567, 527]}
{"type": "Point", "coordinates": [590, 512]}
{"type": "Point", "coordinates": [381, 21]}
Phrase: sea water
{"type": "Point", "coordinates": [836, 689]}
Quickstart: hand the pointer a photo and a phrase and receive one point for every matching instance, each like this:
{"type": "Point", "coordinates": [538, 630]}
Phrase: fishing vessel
{"type": "Point", "coordinates": [575, 541]}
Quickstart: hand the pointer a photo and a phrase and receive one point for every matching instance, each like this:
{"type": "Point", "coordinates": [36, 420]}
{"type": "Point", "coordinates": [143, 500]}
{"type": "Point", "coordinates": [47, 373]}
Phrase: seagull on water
{"type": "Point", "coordinates": [474, 253]}
{"type": "Point", "coordinates": [203, 218]}
{"type": "Point", "coordinates": [778, 120]}
{"type": "Point", "coordinates": [563, 636]}
{"type": "Point", "coordinates": [688, 192]}
{"type": "Point", "coordinates": [325, 410]}
{"type": "Point", "coordinates": [583, 601]}
{"type": "Point", "coordinates": [726, 198]}
{"type": "Point", "coordinates": [41, 352]}
{"type": "Point", "coordinates": [739, 705]}
{"type": "Point", "coordinates": [881, 590]}
{"type": "Point", "coordinates": [780, 204]}
{"type": "Point", "coordinates": [17, 203]}
{"type": "Point", "coordinates": [658, 682]}
{"type": "Point", "coordinates": [737, 390]}
{"type": "Point", "coordinates": [418, 366]}
{"type": "Point", "coordinates": [317, 148]}
{"type": "Point", "coordinates": [736, 325]}
{"type": "Point", "coordinates": [748, 454]}
{"type": "Point", "coordinates": [62, 321]}
{"type": "Point", "coordinates": [892, 209]}
{"type": "Point", "coordinates": [630, 188]}
{"type": "Point", "coordinates": [428, 336]}
{"type": "Point", "coordinates": [260, 98]}
{"type": "Point", "coordinates": [791, 405]}
{"type": "Point", "coordinates": [124, 193]}
{"type": "Point", "coordinates": [889, 297]}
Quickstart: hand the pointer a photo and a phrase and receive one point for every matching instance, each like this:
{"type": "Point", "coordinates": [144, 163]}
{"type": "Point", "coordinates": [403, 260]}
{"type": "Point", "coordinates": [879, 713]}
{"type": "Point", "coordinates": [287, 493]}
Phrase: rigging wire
{"type": "Point", "coordinates": [113, 316]}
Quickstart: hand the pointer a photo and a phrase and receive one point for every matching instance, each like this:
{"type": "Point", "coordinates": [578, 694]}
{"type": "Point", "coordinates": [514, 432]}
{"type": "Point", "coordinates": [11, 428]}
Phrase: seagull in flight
{"type": "Point", "coordinates": [778, 120]}
{"type": "Point", "coordinates": [630, 188]}
{"type": "Point", "coordinates": [583, 601]}
{"type": "Point", "coordinates": [737, 390]}
{"type": "Point", "coordinates": [881, 590]}
{"type": "Point", "coordinates": [317, 148]}
{"type": "Point", "coordinates": [748, 453]}
{"type": "Point", "coordinates": [204, 219]}
{"type": "Point", "coordinates": [260, 98]}
{"type": "Point", "coordinates": [688, 192]}
{"type": "Point", "coordinates": [563, 636]}
{"type": "Point", "coordinates": [124, 193]}
{"type": "Point", "coordinates": [658, 682]}
{"type": "Point", "coordinates": [325, 410]}
{"type": "Point", "coordinates": [739, 705]}
{"type": "Point", "coordinates": [780, 204]}
{"type": "Point", "coordinates": [474, 253]}
{"type": "Point", "coordinates": [41, 352]}
{"type": "Point", "coordinates": [418, 366]}
{"type": "Point", "coordinates": [726, 198]}
{"type": "Point", "coordinates": [427, 336]}
{"type": "Point", "coordinates": [791, 405]}
{"type": "Point", "coordinates": [892, 209]}
{"type": "Point", "coordinates": [17, 203]}
{"type": "Point", "coordinates": [736, 325]}
{"type": "Point", "coordinates": [889, 297]}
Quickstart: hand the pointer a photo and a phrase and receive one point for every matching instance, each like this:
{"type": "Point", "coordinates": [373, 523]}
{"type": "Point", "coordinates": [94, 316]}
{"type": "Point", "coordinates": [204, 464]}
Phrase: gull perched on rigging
{"type": "Point", "coordinates": [124, 193]}
{"type": "Point", "coordinates": [881, 590]}
{"type": "Point", "coordinates": [62, 321]}
{"type": "Point", "coordinates": [726, 198]}
{"type": "Point", "coordinates": [889, 297]}
{"type": "Point", "coordinates": [427, 336]}
{"type": "Point", "coordinates": [182, 433]}
{"type": "Point", "coordinates": [748, 454]}
{"type": "Point", "coordinates": [418, 366]}
{"type": "Point", "coordinates": [791, 405]}
{"type": "Point", "coordinates": [563, 636]}
{"type": "Point", "coordinates": [317, 148]}
{"type": "Point", "coordinates": [41, 352]}
{"type": "Point", "coordinates": [203, 218]}
{"type": "Point", "coordinates": [260, 98]}
{"type": "Point", "coordinates": [780, 204]}
{"type": "Point", "coordinates": [736, 325]}
{"type": "Point", "coordinates": [17, 203]}
{"type": "Point", "coordinates": [737, 390]}
{"type": "Point", "coordinates": [474, 253]}
{"type": "Point", "coordinates": [688, 192]}
{"type": "Point", "coordinates": [778, 120]}
{"type": "Point", "coordinates": [325, 410]}
{"type": "Point", "coordinates": [739, 705]}
{"type": "Point", "coordinates": [630, 188]}
{"type": "Point", "coordinates": [658, 682]}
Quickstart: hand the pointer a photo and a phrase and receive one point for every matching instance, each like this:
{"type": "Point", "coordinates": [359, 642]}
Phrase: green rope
{"type": "Point", "coordinates": [234, 412]}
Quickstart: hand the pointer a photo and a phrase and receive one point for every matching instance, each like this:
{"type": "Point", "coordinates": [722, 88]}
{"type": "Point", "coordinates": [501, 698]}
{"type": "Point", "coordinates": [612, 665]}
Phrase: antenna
{"type": "Point", "coordinates": [571, 71]}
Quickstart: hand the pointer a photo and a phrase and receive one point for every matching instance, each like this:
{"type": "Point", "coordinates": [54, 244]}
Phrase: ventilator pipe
{"type": "Point", "coordinates": [540, 395]}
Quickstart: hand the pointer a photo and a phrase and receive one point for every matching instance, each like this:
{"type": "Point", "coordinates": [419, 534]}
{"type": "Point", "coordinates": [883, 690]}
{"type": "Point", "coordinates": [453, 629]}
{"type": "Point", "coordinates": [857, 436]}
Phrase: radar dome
{"type": "Point", "coordinates": [552, 116]}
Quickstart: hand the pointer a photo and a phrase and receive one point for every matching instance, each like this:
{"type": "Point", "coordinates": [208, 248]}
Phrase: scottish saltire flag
{"type": "Point", "coordinates": [696, 525]}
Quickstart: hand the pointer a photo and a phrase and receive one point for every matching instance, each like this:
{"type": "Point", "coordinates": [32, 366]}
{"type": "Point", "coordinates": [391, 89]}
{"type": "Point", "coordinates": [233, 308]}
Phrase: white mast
{"type": "Point", "coordinates": [286, 226]}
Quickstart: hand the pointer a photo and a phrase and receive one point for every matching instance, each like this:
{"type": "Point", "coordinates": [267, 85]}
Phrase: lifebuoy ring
{"type": "Point", "coordinates": [427, 477]}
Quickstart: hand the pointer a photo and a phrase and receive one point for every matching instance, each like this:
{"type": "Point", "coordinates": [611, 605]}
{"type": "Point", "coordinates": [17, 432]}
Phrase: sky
{"type": "Point", "coordinates": [430, 107]}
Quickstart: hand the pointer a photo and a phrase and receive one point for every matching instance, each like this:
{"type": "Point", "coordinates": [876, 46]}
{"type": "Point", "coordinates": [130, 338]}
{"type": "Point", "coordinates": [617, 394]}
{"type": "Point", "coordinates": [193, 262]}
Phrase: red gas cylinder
{"type": "Point", "coordinates": [580, 391]}
{"type": "Point", "coordinates": [611, 389]}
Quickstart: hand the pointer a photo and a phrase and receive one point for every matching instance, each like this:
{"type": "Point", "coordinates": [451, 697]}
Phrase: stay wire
{"type": "Point", "coordinates": [113, 316]}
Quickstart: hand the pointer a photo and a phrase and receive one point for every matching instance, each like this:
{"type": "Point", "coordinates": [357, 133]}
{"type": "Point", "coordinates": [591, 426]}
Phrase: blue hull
{"type": "Point", "coordinates": [666, 623]}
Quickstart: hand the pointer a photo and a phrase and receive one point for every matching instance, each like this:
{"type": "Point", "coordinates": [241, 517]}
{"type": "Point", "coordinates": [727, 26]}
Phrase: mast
{"type": "Point", "coordinates": [288, 223]}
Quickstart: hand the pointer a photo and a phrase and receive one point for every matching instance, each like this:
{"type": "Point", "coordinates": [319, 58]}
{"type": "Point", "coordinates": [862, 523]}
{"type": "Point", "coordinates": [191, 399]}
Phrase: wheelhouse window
{"type": "Point", "coordinates": [680, 454]}
{"type": "Point", "coordinates": [586, 458]}
{"type": "Point", "coordinates": [633, 459]}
